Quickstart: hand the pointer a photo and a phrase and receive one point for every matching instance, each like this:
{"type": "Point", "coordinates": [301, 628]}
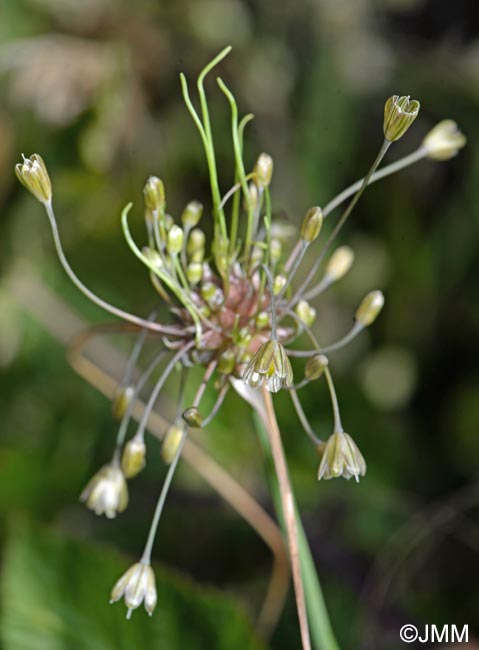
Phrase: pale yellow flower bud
{"type": "Point", "coordinates": [213, 295]}
{"type": "Point", "coordinates": [444, 140]}
{"type": "Point", "coordinates": [399, 114]}
{"type": "Point", "coordinates": [153, 256]}
{"type": "Point", "coordinates": [315, 367]}
{"type": "Point", "coordinates": [32, 173]}
{"type": "Point", "coordinates": [133, 458]}
{"type": "Point", "coordinates": [171, 442]}
{"type": "Point", "coordinates": [227, 362]}
{"type": "Point", "coordinates": [339, 263]}
{"type": "Point", "coordinates": [252, 197]}
{"type": "Point", "coordinates": [196, 245]}
{"type": "Point", "coordinates": [121, 400]}
{"type": "Point", "coordinates": [275, 250]}
{"type": "Point", "coordinates": [262, 320]}
{"type": "Point", "coordinates": [154, 194]}
{"type": "Point", "coordinates": [194, 272]}
{"type": "Point", "coordinates": [278, 284]}
{"type": "Point", "coordinates": [369, 308]}
{"type": "Point", "coordinates": [263, 170]}
{"type": "Point", "coordinates": [311, 225]}
{"type": "Point", "coordinates": [192, 214]}
{"type": "Point", "coordinates": [174, 242]}
{"type": "Point", "coordinates": [305, 312]}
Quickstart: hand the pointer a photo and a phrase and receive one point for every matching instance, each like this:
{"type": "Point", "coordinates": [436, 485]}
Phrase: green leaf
{"type": "Point", "coordinates": [55, 597]}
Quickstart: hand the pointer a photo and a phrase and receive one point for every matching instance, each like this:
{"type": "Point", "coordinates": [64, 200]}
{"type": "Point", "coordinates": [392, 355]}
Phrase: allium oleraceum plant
{"type": "Point", "coordinates": [236, 311]}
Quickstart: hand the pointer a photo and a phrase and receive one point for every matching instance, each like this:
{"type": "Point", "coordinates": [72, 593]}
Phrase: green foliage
{"type": "Point", "coordinates": [55, 590]}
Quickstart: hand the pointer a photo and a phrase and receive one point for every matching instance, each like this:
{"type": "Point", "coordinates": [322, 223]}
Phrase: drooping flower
{"type": "Point", "coordinates": [271, 366]}
{"type": "Point", "coordinates": [341, 457]}
{"type": "Point", "coordinates": [137, 586]}
{"type": "Point", "coordinates": [107, 492]}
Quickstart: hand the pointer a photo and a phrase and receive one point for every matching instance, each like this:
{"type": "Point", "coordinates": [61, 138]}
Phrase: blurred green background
{"type": "Point", "coordinates": [93, 86]}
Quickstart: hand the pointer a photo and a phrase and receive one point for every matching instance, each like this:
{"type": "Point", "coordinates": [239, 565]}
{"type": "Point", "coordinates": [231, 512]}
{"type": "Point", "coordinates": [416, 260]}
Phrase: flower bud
{"type": "Point", "coordinates": [262, 320]}
{"type": "Point", "coordinates": [196, 245]}
{"type": "Point", "coordinates": [278, 284]}
{"type": "Point", "coordinates": [315, 367]}
{"type": "Point", "coordinates": [263, 170]}
{"type": "Point", "coordinates": [137, 585]}
{"type": "Point", "coordinates": [311, 225]}
{"type": "Point", "coordinates": [444, 140]}
{"type": "Point", "coordinates": [194, 272]}
{"type": "Point", "coordinates": [212, 294]}
{"type": "Point", "coordinates": [399, 114]}
{"type": "Point", "coordinates": [275, 250]}
{"type": "Point", "coordinates": [252, 197]}
{"type": "Point", "coordinates": [33, 175]}
{"type": "Point", "coordinates": [192, 417]}
{"type": "Point", "coordinates": [369, 308]}
{"type": "Point", "coordinates": [305, 312]}
{"type": "Point", "coordinates": [227, 362]}
{"type": "Point", "coordinates": [133, 457]}
{"type": "Point", "coordinates": [154, 194]}
{"type": "Point", "coordinates": [171, 442]}
{"type": "Point", "coordinates": [121, 401]}
{"type": "Point", "coordinates": [153, 256]}
{"type": "Point", "coordinates": [243, 337]}
{"type": "Point", "coordinates": [339, 263]}
{"type": "Point", "coordinates": [174, 242]}
{"type": "Point", "coordinates": [220, 251]}
{"type": "Point", "coordinates": [192, 214]}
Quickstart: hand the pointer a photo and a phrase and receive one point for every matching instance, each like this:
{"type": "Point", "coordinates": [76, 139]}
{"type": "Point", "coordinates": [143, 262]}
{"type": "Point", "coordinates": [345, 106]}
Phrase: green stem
{"type": "Point", "coordinates": [155, 327]}
{"type": "Point", "coordinates": [364, 183]}
{"type": "Point", "coordinates": [170, 283]}
{"type": "Point", "coordinates": [290, 513]}
{"type": "Point", "coordinates": [146, 557]}
{"type": "Point", "coordinates": [219, 214]}
{"type": "Point", "coordinates": [394, 167]}
{"type": "Point", "coordinates": [236, 198]}
{"type": "Point", "coordinates": [334, 401]}
{"type": "Point", "coordinates": [239, 163]}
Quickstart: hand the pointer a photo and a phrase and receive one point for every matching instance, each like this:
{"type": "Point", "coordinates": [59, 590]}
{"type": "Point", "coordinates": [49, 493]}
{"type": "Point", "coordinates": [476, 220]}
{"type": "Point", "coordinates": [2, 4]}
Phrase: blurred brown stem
{"type": "Point", "coordinates": [289, 512]}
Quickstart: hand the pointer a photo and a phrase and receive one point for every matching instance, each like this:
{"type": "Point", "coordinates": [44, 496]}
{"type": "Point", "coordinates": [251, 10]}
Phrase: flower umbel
{"type": "Point", "coordinates": [233, 311]}
{"type": "Point", "coordinates": [107, 492]}
{"type": "Point", "coordinates": [341, 457]}
{"type": "Point", "coordinates": [137, 586]}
